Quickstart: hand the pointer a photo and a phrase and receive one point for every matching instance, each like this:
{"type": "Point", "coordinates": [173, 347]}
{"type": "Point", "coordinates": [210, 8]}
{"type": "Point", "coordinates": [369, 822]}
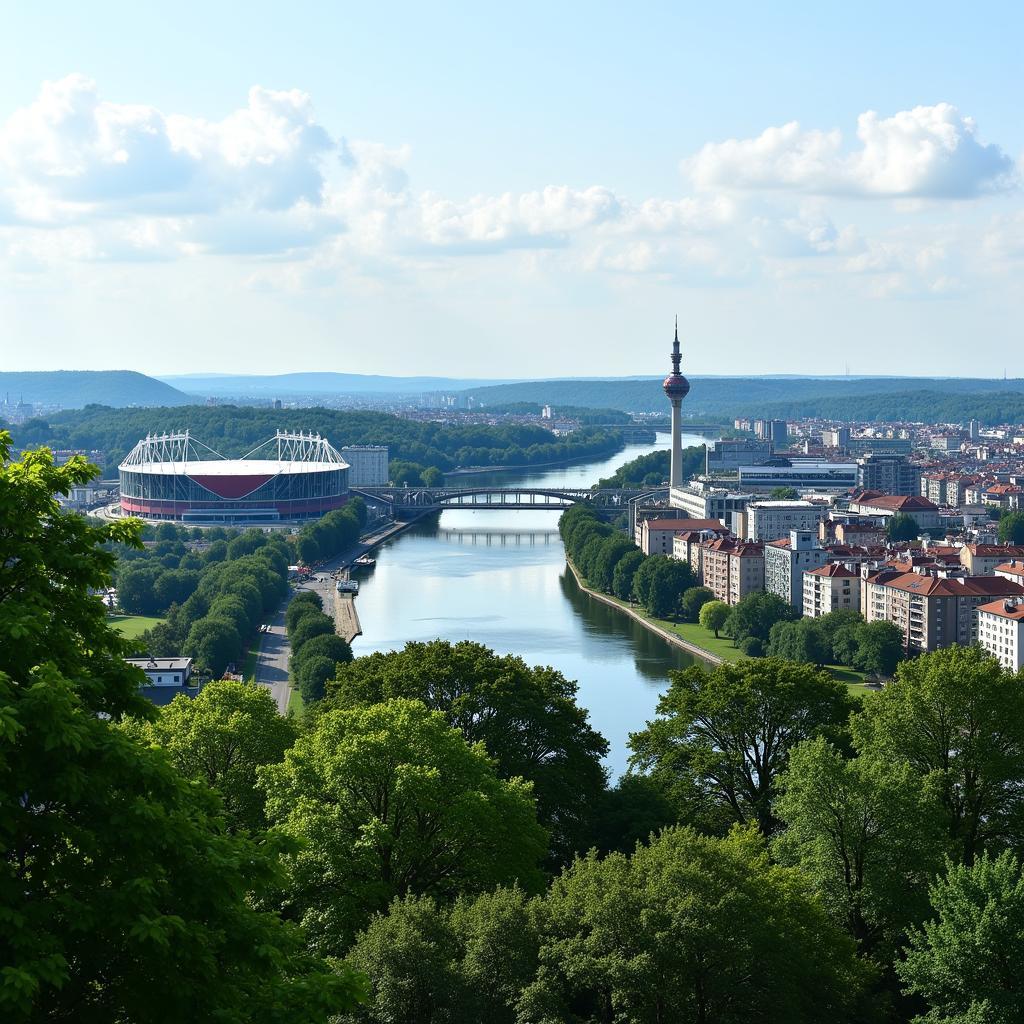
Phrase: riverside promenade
{"type": "Point", "coordinates": [667, 635]}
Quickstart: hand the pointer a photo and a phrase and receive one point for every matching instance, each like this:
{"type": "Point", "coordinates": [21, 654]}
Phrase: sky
{"type": "Point", "coordinates": [524, 190]}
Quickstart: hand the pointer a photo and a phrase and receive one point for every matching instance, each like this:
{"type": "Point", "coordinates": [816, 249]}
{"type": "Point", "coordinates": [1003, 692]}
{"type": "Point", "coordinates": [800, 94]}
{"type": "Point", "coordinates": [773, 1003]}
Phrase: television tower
{"type": "Point", "coordinates": [677, 387]}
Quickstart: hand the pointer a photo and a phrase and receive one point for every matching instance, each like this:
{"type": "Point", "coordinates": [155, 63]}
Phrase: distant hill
{"type": "Point", "coordinates": [283, 385]}
{"type": "Point", "coordinates": [758, 396]}
{"type": "Point", "coordinates": [74, 389]}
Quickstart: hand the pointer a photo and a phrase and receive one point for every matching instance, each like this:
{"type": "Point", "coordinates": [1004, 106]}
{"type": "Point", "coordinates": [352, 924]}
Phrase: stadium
{"type": "Point", "coordinates": [289, 477]}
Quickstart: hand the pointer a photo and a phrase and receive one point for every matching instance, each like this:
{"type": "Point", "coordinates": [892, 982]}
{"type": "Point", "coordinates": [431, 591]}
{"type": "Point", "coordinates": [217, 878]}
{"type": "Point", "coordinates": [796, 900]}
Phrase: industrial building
{"type": "Point", "coordinates": [289, 477]}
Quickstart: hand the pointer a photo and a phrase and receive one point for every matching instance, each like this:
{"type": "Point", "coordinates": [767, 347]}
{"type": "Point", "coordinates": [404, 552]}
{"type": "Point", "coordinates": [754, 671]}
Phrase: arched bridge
{"type": "Point", "coordinates": [429, 499]}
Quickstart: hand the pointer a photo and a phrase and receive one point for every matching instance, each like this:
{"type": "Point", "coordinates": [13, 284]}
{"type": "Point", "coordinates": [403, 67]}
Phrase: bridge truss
{"type": "Point", "coordinates": [428, 499]}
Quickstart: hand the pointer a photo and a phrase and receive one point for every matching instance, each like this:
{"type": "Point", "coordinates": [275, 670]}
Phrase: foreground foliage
{"type": "Point", "coordinates": [122, 897]}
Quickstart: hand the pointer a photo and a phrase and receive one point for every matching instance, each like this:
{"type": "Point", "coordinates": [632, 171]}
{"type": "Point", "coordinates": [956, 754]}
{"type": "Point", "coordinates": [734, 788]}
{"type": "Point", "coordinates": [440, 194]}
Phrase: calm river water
{"type": "Point", "coordinates": [500, 578]}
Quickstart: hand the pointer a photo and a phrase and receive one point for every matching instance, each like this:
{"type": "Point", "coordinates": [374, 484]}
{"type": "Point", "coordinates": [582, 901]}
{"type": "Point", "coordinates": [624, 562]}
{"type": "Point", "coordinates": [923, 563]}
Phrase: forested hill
{"type": "Point", "coordinates": [74, 389]}
{"type": "Point", "coordinates": [911, 398]}
{"type": "Point", "coordinates": [234, 430]}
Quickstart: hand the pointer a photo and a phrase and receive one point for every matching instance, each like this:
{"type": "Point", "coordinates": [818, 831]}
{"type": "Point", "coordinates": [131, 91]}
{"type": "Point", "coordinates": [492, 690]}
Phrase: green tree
{"type": "Point", "coordinates": [214, 643]}
{"type": "Point", "coordinates": [327, 645]}
{"type": "Point", "coordinates": [714, 615]}
{"type": "Point", "coordinates": [968, 961]}
{"type": "Point", "coordinates": [902, 527]}
{"type": "Point", "coordinates": [690, 929]}
{"type": "Point", "coordinates": [612, 550]}
{"type": "Point", "coordinates": [693, 600]}
{"type": "Point", "coordinates": [803, 640]}
{"type": "Point", "coordinates": [526, 717]}
{"type": "Point", "coordinates": [867, 836]}
{"type": "Point", "coordinates": [756, 614]}
{"type": "Point", "coordinates": [723, 736]}
{"type": "Point", "coordinates": [1011, 528]}
{"type": "Point", "coordinates": [389, 800]}
{"type": "Point", "coordinates": [301, 604]}
{"type": "Point", "coordinates": [625, 571]}
{"type": "Point", "coordinates": [121, 897]}
{"type": "Point", "coordinates": [784, 494]}
{"type": "Point", "coordinates": [957, 718]}
{"type": "Point", "coordinates": [432, 477]}
{"type": "Point", "coordinates": [220, 737]}
{"type": "Point", "coordinates": [309, 626]}
{"type": "Point", "coordinates": [671, 577]}
{"type": "Point", "coordinates": [643, 578]}
{"type": "Point", "coordinates": [879, 647]}
{"type": "Point", "coordinates": [313, 677]}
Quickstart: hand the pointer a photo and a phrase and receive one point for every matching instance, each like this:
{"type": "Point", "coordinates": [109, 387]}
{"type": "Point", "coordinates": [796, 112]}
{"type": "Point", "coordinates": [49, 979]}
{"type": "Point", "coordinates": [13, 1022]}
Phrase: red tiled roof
{"type": "Point", "coordinates": [1015, 611]}
{"type": "Point", "coordinates": [900, 502]}
{"type": "Point", "coordinates": [686, 524]}
{"type": "Point", "coordinates": [835, 570]}
{"type": "Point", "coordinates": [962, 586]}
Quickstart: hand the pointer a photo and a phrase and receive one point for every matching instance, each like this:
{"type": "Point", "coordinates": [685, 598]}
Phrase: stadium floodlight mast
{"type": "Point", "coordinates": [159, 448]}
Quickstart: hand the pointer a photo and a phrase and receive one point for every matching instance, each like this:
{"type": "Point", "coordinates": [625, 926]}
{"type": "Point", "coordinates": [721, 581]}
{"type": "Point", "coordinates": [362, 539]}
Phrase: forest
{"type": "Point", "coordinates": [234, 430]}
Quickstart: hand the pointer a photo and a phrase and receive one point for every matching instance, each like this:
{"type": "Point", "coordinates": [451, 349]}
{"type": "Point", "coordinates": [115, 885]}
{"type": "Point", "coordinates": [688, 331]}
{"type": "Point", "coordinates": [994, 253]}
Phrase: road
{"type": "Point", "coordinates": [272, 660]}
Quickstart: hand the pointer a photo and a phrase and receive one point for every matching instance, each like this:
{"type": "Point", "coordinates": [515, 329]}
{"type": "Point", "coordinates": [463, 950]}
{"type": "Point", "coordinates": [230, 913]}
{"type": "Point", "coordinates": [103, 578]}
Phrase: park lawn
{"type": "Point", "coordinates": [296, 705]}
{"type": "Point", "coordinates": [132, 626]}
{"type": "Point", "coordinates": [695, 633]}
{"type": "Point", "coordinates": [250, 657]}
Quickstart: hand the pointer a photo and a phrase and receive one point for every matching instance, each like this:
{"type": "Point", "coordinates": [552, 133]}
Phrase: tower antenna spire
{"type": "Point", "coordinates": [676, 388]}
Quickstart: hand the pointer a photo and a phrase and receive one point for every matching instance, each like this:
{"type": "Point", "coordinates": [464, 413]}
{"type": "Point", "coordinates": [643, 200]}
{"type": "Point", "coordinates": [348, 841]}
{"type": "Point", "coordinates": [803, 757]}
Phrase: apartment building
{"type": "Point", "coordinates": [932, 611]}
{"type": "Point", "coordinates": [785, 562]}
{"type": "Point", "coordinates": [925, 512]}
{"type": "Point", "coordinates": [888, 472]}
{"type": "Point", "coordinates": [772, 520]}
{"type": "Point", "coordinates": [1012, 570]}
{"type": "Point", "coordinates": [732, 568]}
{"type": "Point", "coordinates": [656, 535]}
{"type": "Point", "coordinates": [830, 588]}
{"type": "Point", "coordinates": [1001, 632]}
{"type": "Point", "coordinates": [982, 559]}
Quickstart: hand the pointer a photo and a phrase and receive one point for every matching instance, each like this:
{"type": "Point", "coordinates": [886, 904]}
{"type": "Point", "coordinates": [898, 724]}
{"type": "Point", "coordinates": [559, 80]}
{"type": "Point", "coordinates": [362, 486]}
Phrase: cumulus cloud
{"type": "Point", "coordinates": [928, 152]}
{"type": "Point", "coordinates": [70, 154]}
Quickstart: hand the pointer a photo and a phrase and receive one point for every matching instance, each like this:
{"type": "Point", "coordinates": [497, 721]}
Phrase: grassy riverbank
{"type": "Point", "coordinates": [704, 642]}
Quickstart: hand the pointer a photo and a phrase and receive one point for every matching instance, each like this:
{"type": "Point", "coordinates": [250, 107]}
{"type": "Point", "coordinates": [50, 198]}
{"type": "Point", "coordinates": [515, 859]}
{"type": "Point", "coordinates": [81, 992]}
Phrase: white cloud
{"type": "Point", "coordinates": [928, 152]}
{"type": "Point", "coordinates": [70, 155]}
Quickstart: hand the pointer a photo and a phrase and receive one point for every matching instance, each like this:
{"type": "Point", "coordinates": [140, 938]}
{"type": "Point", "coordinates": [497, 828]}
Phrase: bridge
{"type": "Point", "coordinates": [432, 499]}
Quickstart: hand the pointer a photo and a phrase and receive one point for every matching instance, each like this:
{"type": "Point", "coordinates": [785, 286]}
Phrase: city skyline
{"type": "Point", "coordinates": [310, 192]}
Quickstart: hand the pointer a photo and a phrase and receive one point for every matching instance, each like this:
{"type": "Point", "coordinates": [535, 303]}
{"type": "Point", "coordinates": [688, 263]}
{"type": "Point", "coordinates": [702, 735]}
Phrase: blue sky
{"type": "Point", "coordinates": [524, 190]}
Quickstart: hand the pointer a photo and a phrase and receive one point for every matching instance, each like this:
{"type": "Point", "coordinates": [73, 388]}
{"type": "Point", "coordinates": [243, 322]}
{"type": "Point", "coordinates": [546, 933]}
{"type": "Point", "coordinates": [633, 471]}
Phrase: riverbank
{"type": "Point", "coordinates": [666, 634]}
{"type": "Point", "coordinates": [560, 464]}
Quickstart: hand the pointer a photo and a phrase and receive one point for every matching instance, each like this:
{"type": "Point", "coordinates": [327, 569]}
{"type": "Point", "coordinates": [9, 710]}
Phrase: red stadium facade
{"type": "Point", "coordinates": [289, 477]}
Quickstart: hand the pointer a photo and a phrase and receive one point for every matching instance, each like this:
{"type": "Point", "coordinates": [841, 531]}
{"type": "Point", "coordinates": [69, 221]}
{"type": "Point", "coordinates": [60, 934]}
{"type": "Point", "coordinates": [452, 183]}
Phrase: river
{"type": "Point", "coordinates": [500, 578]}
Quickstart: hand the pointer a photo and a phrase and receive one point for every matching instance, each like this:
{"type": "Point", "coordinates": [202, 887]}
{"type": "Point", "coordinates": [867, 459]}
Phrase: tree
{"type": "Point", "coordinates": [902, 527]}
{"type": "Point", "coordinates": [643, 578]}
{"type": "Point", "coordinates": [968, 961]}
{"type": "Point", "coordinates": [671, 577]}
{"type": "Point", "coordinates": [784, 494]}
{"type": "Point", "coordinates": [309, 626]}
{"type": "Point", "coordinates": [713, 615]}
{"type": "Point", "coordinates": [432, 477]}
{"type": "Point", "coordinates": [215, 644]}
{"type": "Point", "coordinates": [135, 591]}
{"type": "Point", "coordinates": [693, 600]}
{"type": "Point", "coordinates": [867, 836]}
{"type": "Point", "coordinates": [121, 895]}
{"type": "Point", "coordinates": [301, 604]}
{"type": "Point", "coordinates": [327, 645]}
{"type": "Point", "coordinates": [389, 800]}
{"type": "Point", "coordinates": [625, 571]}
{"type": "Point", "coordinates": [612, 549]}
{"type": "Point", "coordinates": [313, 676]}
{"type": "Point", "coordinates": [957, 718]}
{"type": "Point", "coordinates": [724, 735]}
{"type": "Point", "coordinates": [630, 812]}
{"type": "Point", "coordinates": [1011, 528]}
{"type": "Point", "coordinates": [878, 647]}
{"type": "Point", "coordinates": [220, 737]}
{"type": "Point", "coordinates": [586, 559]}
{"type": "Point", "coordinates": [756, 614]}
{"type": "Point", "coordinates": [803, 640]}
{"type": "Point", "coordinates": [690, 929]}
{"type": "Point", "coordinates": [526, 717]}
